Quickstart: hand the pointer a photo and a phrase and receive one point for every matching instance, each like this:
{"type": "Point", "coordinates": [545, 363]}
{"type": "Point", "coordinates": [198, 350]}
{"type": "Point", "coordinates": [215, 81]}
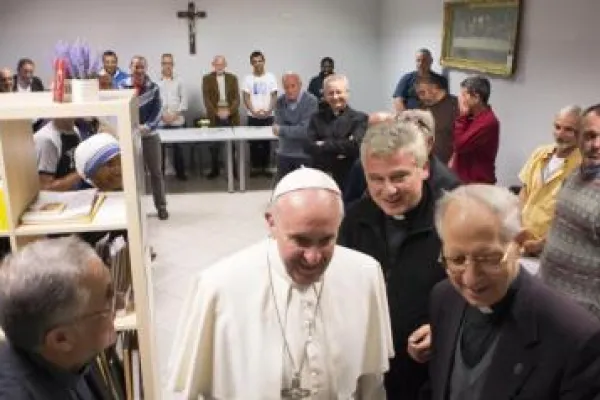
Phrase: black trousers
{"type": "Point", "coordinates": [178, 161]}
{"type": "Point", "coordinates": [287, 164]}
{"type": "Point", "coordinates": [260, 150]}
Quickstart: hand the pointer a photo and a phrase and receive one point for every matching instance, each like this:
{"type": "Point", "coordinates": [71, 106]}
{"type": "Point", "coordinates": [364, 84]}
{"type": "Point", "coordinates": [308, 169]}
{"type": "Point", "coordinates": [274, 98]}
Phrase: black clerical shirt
{"type": "Point", "coordinates": [25, 376]}
{"type": "Point", "coordinates": [480, 328]}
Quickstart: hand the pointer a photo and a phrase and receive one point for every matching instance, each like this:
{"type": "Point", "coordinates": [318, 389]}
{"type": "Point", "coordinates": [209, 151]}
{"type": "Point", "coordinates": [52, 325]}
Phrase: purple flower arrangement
{"type": "Point", "coordinates": [80, 61]}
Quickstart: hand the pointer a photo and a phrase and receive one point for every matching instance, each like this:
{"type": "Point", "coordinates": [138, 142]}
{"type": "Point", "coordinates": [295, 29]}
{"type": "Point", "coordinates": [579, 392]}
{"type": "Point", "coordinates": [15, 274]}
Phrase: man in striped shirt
{"type": "Point", "coordinates": [150, 115]}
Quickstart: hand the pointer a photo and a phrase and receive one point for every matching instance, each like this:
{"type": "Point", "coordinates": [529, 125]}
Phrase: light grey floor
{"type": "Point", "coordinates": [206, 223]}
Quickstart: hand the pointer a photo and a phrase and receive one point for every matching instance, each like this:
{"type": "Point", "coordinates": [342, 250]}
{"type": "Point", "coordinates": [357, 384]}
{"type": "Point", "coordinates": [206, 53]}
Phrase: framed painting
{"type": "Point", "coordinates": [481, 35]}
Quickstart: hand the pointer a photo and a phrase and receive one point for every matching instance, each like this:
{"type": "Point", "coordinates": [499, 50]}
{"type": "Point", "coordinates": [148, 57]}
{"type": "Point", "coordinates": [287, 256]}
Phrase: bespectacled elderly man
{"type": "Point", "coordinates": [497, 332]}
{"type": "Point", "coordinates": [57, 311]}
{"type": "Point", "coordinates": [335, 131]}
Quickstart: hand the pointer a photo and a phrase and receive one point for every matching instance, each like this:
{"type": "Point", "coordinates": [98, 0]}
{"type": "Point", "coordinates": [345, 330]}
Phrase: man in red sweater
{"type": "Point", "coordinates": [476, 133]}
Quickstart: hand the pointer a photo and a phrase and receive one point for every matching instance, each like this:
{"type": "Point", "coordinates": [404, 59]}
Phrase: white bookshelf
{"type": "Point", "coordinates": [119, 211]}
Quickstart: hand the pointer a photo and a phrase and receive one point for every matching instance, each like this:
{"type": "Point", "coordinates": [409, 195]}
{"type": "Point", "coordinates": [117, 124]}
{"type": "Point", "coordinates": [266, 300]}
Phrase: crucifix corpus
{"type": "Point", "coordinates": [191, 14]}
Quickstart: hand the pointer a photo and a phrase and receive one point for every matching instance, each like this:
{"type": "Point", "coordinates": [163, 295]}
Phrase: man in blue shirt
{"type": "Point", "coordinates": [405, 95]}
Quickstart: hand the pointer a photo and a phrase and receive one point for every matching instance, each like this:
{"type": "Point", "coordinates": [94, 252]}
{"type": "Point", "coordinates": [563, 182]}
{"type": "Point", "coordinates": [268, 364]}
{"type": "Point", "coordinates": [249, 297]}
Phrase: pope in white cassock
{"type": "Point", "coordinates": [292, 317]}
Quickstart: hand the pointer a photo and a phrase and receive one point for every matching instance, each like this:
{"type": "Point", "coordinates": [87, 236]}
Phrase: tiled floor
{"type": "Point", "coordinates": [205, 224]}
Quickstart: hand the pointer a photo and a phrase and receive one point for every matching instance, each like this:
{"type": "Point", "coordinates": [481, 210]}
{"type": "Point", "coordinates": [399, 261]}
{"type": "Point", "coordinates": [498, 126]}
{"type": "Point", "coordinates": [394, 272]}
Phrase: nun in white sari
{"type": "Point", "coordinates": [292, 317]}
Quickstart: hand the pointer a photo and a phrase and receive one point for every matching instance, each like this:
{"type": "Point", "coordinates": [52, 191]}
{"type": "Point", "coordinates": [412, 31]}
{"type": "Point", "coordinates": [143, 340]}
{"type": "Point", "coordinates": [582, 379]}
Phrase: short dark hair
{"type": "Point", "coordinates": [23, 61]}
{"type": "Point", "coordinates": [256, 53]}
{"type": "Point", "coordinates": [430, 80]}
{"type": "Point", "coordinates": [595, 109]}
{"type": "Point", "coordinates": [425, 52]}
{"type": "Point", "coordinates": [163, 55]}
{"type": "Point", "coordinates": [478, 85]}
{"type": "Point", "coordinates": [327, 59]}
{"type": "Point", "coordinates": [109, 53]}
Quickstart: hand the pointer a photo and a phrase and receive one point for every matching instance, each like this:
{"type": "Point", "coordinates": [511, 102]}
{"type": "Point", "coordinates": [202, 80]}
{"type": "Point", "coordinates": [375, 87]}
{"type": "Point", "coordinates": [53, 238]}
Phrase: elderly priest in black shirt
{"type": "Point", "coordinates": [56, 309]}
{"type": "Point", "coordinates": [497, 332]}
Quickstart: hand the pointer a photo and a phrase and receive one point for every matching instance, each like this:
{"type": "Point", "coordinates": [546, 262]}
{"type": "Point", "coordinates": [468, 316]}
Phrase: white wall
{"type": "Point", "coordinates": [294, 35]}
{"type": "Point", "coordinates": [558, 65]}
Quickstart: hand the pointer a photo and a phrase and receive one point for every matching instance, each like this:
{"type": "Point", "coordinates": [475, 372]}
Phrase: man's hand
{"type": "Point", "coordinates": [275, 129]}
{"type": "Point", "coordinates": [168, 117]}
{"type": "Point", "coordinates": [419, 344]}
{"type": "Point", "coordinates": [223, 113]}
{"type": "Point", "coordinates": [319, 143]}
{"type": "Point", "coordinates": [451, 161]}
{"type": "Point", "coordinates": [143, 129]}
{"type": "Point", "coordinates": [533, 247]}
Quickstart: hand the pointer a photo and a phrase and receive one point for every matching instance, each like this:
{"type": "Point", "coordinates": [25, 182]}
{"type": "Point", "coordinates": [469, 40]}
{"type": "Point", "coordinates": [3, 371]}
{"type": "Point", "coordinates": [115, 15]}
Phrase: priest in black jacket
{"type": "Point", "coordinates": [498, 333]}
{"type": "Point", "coordinates": [394, 224]}
{"type": "Point", "coordinates": [56, 309]}
{"type": "Point", "coordinates": [335, 131]}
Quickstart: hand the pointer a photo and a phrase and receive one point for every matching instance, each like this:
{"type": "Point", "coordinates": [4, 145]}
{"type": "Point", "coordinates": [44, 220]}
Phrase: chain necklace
{"type": "Point", "coordinates": [295, 391]}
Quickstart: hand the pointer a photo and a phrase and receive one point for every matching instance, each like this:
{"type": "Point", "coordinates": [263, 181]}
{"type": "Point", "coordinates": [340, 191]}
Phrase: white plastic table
{"type": "Point", "coordinates": [244, 134]}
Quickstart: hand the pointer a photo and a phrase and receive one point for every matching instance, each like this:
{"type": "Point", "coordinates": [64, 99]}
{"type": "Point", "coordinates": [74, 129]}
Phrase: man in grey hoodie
{"type": "Point", "coordinates": [292, 115]}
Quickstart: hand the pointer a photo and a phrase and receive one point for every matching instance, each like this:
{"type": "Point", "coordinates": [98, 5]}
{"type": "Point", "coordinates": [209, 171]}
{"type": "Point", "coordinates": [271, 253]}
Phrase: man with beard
{"type": "Point", "coordinates": [110, 65]}
{"type": "Point", "coordinates": [395, 225]}
{"type": "Point", "coordinates": [544, 174]}
{"type": "Point", "coordinates": [570, 262]}
{"type": "Point", "coordinates": [315, 86]}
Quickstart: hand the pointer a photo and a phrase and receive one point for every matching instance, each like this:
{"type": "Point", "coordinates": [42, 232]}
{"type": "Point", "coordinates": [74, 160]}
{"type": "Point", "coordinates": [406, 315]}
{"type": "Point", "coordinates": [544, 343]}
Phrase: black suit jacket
{"type": "Point", "coordinates": [36, 84]}
{"type": "Point", "coordinates": [549, 347]}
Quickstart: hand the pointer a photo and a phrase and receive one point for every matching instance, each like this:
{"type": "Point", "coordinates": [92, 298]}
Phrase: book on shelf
{"type": "Point", "coordinates": [63, 207]}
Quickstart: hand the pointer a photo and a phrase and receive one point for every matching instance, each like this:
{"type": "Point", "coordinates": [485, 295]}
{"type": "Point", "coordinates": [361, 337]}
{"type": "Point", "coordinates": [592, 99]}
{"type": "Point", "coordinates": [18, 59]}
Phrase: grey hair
{"type": "Point", "coordinates": [501, 201]}
{"type": "Point", "coordinates": [291, 74]}
{"type": "Point", "coordinates": [572, 109]}
{"type": "Point", "coordinates": [422, 118]}
{"type": "Point", "coordinates": [386, 137]}
{"type": "Point", "coordinates": [40, 288]}
{"type": "Point", "coordinates": [337, 78]}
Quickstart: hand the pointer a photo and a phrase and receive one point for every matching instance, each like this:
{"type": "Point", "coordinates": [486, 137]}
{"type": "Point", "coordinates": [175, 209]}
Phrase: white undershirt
{"type": "Point", "coordinates": [221, 85]}
{"type": "Point", "coordinates": [553, 165]}
{"type": "Point", "coordinates": [297, 319]}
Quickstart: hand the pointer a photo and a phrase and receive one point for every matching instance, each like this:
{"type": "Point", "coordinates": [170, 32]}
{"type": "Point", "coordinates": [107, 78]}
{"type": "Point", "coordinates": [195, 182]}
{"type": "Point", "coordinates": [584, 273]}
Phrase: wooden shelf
{"type": "Point", "coordinates": [40, 105]}
{"type": "Point", "coordinates": [111, 216]}
{"type": "Point", "coordinates": [126, 322]}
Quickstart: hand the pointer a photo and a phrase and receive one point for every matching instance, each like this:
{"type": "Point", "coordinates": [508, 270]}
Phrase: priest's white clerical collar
{"type": "Point", "coordinates": [400, 217]}
{"type": "Point", "coordinates": [485, 310]}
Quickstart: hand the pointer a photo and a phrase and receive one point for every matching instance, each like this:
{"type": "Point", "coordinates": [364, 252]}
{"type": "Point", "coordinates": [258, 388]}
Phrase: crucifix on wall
{"type": "Point", "coordinates": [191, 14]}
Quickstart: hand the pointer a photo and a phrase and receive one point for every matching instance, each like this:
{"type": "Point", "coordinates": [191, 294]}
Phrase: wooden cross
{"type": "Point", "coordinates": [191, 14]}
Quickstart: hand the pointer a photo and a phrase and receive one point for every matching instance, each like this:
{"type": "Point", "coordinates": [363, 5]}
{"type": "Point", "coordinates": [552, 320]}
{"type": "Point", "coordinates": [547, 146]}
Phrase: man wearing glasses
{"type": "Point", "coordinates": [57, 311]}
{"type": "Point", "coordinates": [497, 332]}
{"type": "Point", "coordinates": [394, 225]}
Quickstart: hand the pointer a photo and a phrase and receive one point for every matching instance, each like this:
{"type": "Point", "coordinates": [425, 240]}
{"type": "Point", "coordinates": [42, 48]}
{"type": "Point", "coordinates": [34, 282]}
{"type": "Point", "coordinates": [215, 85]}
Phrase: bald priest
{"type": "Point", "coordinates": [292, 317]}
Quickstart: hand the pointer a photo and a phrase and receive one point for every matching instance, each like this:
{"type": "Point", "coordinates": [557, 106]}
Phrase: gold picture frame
{"type": "Point", "coordinates": [481, 35]}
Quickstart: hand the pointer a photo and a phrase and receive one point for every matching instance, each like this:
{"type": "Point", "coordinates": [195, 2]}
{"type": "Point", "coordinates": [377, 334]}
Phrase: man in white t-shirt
{"type": "Point", "coordinates": [260, 96]}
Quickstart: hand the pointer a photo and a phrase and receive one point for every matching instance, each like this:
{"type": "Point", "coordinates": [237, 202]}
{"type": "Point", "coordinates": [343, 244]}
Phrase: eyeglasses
{"type": "Point", "coordinates": [487, 263]}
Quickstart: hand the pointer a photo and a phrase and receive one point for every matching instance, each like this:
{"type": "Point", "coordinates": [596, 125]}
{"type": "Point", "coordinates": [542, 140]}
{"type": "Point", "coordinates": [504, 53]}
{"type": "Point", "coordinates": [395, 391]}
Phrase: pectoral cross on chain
{"type": "Point", "coordinates": [191, 14]}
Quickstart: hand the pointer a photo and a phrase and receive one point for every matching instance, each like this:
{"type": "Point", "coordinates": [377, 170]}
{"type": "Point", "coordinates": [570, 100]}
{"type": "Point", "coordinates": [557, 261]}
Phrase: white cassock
{"type": "Point", "coordinates": [229, 343]}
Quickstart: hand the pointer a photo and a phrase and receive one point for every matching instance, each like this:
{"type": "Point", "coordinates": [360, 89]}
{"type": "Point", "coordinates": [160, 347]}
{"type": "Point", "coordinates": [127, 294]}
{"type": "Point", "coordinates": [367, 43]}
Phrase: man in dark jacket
{"type": "Point", "coordinates": [25, 80]}
{"type": "Point", "coordinates": [56, 309]}
{"type": "Point", "coordinates": [335, 132]}
{"type": "Point", "coordinates": [441, 178]}
{"type": "Point", "coordinates": [497, 332]}
{"type": "Point", "coordinates": [395, 225]}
